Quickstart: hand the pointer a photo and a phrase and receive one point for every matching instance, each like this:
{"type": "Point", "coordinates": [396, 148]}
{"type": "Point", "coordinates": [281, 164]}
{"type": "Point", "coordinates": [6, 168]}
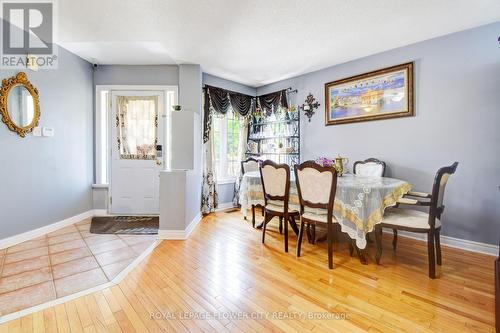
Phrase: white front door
{"type": "Point", "coordinates": [136, 157]}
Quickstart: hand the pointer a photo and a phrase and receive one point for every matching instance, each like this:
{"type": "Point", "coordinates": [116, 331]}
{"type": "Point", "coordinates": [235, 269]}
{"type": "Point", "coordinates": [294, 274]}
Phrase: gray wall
{"type": "Point", "coordinates": [457, 86]}
{"type": "Point", "coordinates": [226, 191]}
{"type": "Point", "coordinates": [216, 81]}
{"type": "Point", "coordinates": [140, 75]}
{"type": "Point", "coordinates": [46, 180]}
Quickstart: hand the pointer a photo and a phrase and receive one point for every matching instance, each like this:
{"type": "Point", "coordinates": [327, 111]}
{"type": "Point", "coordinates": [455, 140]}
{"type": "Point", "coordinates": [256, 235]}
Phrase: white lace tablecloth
{"type": "Point", "coordinates": [359, 202]}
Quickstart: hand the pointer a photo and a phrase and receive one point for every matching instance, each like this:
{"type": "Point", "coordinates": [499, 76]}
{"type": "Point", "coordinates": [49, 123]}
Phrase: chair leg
{"type": "Point", "coordinates": [313, 234]}
{"type": "Point", "coordinates": [262, 210]}
{"type": "Point", "coordinates": [281, 224]}
{"type": "Point", "coordinates": [352, 244]}
{"type": "Point", "coordinates": [286, 232]}
{"type": "Point", "coordinates": [336, 233]}
{"type": "Point", "coordinates": [253, 216]}
{"type": "Point", "coordinates": [267, 217]}
{"type": "Point", "coordinates": [395, 239]}
{"type": "Point", "coordinates": [330, 245]}
{"type": "Point", "coordinates": [430, 250]}
{"type": "Point", "coordinates": [293, 225]}
{"type": "Point", "coordinates": [299, 239]}
{"type": "Point", "coordinates": [351, 248]}
{"type": "Point", "coordinates": [438, 247]}
{"type": "Point", "coordinates": [378, 241]}
{"type": "Point", "coordinates": [308, 233]}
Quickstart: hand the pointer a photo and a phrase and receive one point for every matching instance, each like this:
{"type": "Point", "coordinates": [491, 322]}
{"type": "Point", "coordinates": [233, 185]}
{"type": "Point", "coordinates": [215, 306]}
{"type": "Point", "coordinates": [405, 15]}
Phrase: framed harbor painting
{"type": "Point", "coordinates": [382, 94]}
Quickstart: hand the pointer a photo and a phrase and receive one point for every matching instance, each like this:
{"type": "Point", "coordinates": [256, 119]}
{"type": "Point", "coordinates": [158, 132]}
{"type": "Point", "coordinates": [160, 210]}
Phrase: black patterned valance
{"type": "Point", "coordinates": [219, 100]}
{"type": "Point", "coordinates": [272, 101]}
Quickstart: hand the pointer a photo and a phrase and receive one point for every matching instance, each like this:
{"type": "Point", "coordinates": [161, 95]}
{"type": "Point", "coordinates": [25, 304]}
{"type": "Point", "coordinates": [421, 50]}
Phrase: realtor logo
{"type": "Point", "coordinates": [28, 35]}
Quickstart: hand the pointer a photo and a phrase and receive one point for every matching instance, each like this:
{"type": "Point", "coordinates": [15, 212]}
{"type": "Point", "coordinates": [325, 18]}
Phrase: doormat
{"type": "Point", "coordinates": [129, 225]}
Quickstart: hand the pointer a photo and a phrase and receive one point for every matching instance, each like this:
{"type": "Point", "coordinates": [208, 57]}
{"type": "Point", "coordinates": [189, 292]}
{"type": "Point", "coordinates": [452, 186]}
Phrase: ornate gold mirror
{"type": "Point", "coordinates": [19, 104]}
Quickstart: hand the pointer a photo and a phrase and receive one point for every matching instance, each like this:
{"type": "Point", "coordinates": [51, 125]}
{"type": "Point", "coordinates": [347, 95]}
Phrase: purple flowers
{"type": "Point", "coordinates": [326, 162]}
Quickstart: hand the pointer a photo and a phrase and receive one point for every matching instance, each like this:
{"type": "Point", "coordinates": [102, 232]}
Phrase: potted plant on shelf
{"type": "Point", "coordinates": [257, 114]}
{"type": "Point", "coordinates": [292, 113]}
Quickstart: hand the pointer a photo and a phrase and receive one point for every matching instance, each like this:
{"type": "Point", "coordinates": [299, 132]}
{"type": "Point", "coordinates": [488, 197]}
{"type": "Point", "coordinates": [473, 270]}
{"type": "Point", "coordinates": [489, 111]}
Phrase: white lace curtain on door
{"type": "Point", "coordinates": [137, 127]}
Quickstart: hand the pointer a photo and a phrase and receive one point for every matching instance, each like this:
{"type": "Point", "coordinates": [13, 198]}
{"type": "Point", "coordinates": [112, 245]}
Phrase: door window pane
{"type": "Point", "coordinates": [137, 127]}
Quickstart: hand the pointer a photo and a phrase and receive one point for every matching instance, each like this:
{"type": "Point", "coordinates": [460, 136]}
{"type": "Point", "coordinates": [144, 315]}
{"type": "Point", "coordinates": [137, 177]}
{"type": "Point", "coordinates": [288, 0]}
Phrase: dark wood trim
{"type": "Point", "coordinates": [410, 108]}
{"type": "Point", "coordinates": [371, 159]}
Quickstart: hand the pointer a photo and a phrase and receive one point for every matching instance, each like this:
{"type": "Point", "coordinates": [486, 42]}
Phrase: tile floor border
{"type": "Point", "coordinates": [116, 280]}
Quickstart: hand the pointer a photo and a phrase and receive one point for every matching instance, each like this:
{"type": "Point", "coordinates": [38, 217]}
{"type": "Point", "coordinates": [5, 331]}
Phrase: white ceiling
{"type": "Point", "coordinates": [256, 42]}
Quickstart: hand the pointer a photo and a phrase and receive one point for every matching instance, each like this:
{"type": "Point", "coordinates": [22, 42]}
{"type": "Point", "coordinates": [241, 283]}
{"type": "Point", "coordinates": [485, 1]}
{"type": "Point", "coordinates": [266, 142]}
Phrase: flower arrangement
{"type": "Point", "coordinates": [326, 162]}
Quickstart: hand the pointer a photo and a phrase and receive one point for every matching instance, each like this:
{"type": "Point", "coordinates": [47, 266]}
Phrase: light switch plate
{"type": "Point", "coordinates": [37, 131]}
{"type": "Point", "coordinates": [48, 131]}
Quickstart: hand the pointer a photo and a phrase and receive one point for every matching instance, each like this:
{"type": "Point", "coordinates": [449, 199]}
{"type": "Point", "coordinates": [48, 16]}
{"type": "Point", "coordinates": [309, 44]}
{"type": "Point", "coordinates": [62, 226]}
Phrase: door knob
{"type": "Point", "coordinates": [158, 162]}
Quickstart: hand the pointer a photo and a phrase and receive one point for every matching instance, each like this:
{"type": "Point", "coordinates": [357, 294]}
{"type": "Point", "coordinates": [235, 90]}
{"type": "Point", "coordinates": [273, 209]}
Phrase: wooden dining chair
{"type": "Point", "coordinates": [418, 221]}
{"type": "Point", "coordinates": [249, 165]}
{"type": "Point", "coordinates": [316, 187]}
{"type": "Point", "coordinates": [276, 187]}
{"type": "Point", "coordinates": [371, 167]}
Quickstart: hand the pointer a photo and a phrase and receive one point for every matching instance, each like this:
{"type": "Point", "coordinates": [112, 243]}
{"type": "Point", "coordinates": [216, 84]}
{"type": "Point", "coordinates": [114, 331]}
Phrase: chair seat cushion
{"type": "Point", "coordinates": [409, 218]}
{"type": "Point", "coordinates": [278, 206]}
{"type": "Point", "coordinates": [318, 215]}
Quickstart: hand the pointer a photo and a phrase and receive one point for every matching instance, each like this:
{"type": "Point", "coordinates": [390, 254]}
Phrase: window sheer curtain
{"type": "Point", "coordinates": [242, 147]}
{"type": "Point", "coordinates": [218, 101]}
{"type": "Point", "coordinates": [137, 121]}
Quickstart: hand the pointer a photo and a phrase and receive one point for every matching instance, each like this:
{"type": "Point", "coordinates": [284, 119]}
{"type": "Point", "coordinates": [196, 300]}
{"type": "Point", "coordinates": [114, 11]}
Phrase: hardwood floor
{"type": "Point", "coordinates": [224, 270]}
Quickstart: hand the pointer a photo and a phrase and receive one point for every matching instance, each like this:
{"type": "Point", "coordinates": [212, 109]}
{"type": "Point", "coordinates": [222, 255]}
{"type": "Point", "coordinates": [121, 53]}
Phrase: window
{"type": "Point", "coordinates": [226, 141]}
{"type": "Point", "coordinates": [101, 136]}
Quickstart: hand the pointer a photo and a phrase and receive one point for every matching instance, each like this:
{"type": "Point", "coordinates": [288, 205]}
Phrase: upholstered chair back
{"type": "Point", "coordinates": [249, 165]}
{"type": "Point", "coordinates": [371, 167]}
{"type": "Point", "coordinates": [275, 178]}
{"type": "Point", "coordinates": [316, 185]}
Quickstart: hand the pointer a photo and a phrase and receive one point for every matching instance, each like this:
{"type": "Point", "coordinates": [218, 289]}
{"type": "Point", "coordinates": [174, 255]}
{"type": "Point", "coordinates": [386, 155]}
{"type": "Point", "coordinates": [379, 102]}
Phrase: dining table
{"type": "Point", "coordinates": [359, 203]}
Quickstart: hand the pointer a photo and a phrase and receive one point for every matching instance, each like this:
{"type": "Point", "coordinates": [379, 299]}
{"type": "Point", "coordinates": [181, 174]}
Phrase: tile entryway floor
{"type": "Point", "coordinates": [63, 262]}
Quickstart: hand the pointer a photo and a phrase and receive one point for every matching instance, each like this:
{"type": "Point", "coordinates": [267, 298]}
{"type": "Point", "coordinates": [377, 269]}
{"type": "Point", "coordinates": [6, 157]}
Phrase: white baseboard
{"type": "Point", "coordinates": [26, 236]}
{"type": "Point", "coordinates": [180, 234]}
{"type": "Point", "coordinates": [462, 244]}
{"type": "Point", "coordinates": [101, 212]}
{"type": "Point", "coordinates": [224, 206]}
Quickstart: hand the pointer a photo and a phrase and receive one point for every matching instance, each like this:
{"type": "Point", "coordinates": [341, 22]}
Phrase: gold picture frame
{"type": "Point", "coordinates": [382, 94]}
{"type": "Point", "coordinates": [20, 79]}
